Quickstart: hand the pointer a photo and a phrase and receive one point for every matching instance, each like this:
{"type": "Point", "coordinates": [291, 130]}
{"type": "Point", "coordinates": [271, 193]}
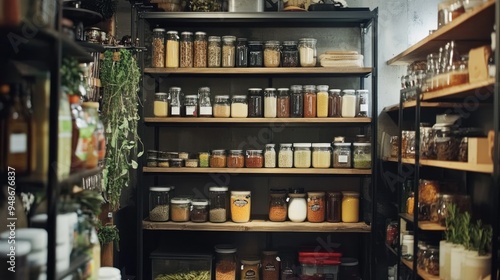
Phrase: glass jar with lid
{"type": "Point", "coordinates": [205, 107]}
{"type": "Point", "coordinates": [277, 205]}
{"type": "Point", "coordinates": [241, 52]}
{"type": "Point", "coordinates": [228, 51]}
{"type": "Point", "coordinates": [290, 54]}
{"type": "Point", "coordinates": [222, 106]}
{"type": "Point", "coordinates": [309, 101]}
{"type": "Point", "coordinates": [316, 207]}
{"type": "Point", "coordinates": [255, 54]}
{"type": "Point", "coordinates": [250, 268]}
{"type": "Point", "coordinates": [214, 51]}
{"type": "Point", "coordinates": [307, 52]}
{"type": "Point", "coordinates": [296, 102]}
{"type": "Point", "coordinates": [219, 204]}
{"type": "Point", "coordinates": [235, 159]}
{"type": "Point", "coordinates": [200, 50]}
{"type": "Point", "coordinates": [334, 103]}
{"type": "Point", "coordinates": [203, 158]}
{"type": "Point", "coordinates": [172, 49]}
{"type": "Point", "coordinates": [254, 159]}
{"type": "Point", "coordinates": [158, 48]}
{"type": "Point", "coordinates": [362, 155]}
{"type": "Point", "coordinates": [431, 260]}
{"type": "Point", "coordinates": [175, 101]}
{"type": "Point", "coordinates": [218, 159]}
{"type": "Point", "coordinates": [350, 207]}
{"type": "Point", "coordinates": [272, 54]}
{"type": "Point", "coordinates": [322, 101]}
{"type": "Point", "coordinates": [270, 103]}
{"type": "Point", "coordinates": [199, 211]}
{"type": "Point", "coordinates": [270, 265]}
{"type": "Point", "coordinates": [240, 206]}
{"type": "Point", "coordinates": [302, 155]}
{"type": "Point", "coordinates": [239, 106]}
{"type": "Point", "coordinates": [447, 145]}
{"type": "Point", "coordinates": [225, 261]}
{"type": "Point", "coordinates": [186, 50]}
{"type": "Point", "coordinates": [179, 209]}
{"type": "Point", "coordinates": [334, 207]}
{"type": "Point", "coordinates": [159, 204]}
{"type": "Point", "coordinates": [190, 108]}
{"type": "Point", "coordinates": [342, 155]}
{"type": "Point", "coordinates": [349, 103]}
{"type": "Point", "coordinates": [321, 155]}
{"type": "Point", "coordinates": [161, 104]}
{"type": "Point", "coordinates": [297, 206]}
{"type": "Point", "coordinates": [283, 103]}
{"type": "Point", "coordinates": [270, 156]}
{"type": "Point", "coordinates": [285, 156]}
{"type": "Point", "coordinates": [364, 104]}
{"type": "Point", "coordinates": [255, 103]}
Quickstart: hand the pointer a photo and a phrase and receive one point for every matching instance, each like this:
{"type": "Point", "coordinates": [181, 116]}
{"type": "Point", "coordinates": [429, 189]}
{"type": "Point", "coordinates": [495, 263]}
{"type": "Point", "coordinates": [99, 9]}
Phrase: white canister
{"type": "Point", "coordinates": [297, 207]}
{"type": "Point", "coordinates": [407, 245]}
{"type": "Point", "coordinates": [456, 260]}
{"type": "Point", "coordinates": [109, 273]}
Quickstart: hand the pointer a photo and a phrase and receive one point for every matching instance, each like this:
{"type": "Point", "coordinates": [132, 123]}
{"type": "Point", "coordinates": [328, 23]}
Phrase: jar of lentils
{"type": "Point", "coordinates": [200, 50]}
{"type": "Point", "coordinates": [218, 159]}
{"type": "Point", "coordinates": [186, 51]}
{"type": "Point", "coordinates": [219, 204]}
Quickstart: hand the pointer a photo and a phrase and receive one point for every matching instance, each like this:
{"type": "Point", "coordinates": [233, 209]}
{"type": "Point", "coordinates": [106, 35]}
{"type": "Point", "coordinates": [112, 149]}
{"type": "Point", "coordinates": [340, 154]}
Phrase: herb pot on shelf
{"type": "Point", "coordinates": [475, 266]}
{"type": "Point", "coordinates": [457, 255]}
{"type": "Point", "coordinates": [444, 259]}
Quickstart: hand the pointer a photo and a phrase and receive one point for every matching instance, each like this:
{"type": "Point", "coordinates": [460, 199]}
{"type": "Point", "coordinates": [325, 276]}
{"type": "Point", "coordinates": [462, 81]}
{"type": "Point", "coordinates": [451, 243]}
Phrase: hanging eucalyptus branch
{"type": "Point", "coordinates": [120, 77]}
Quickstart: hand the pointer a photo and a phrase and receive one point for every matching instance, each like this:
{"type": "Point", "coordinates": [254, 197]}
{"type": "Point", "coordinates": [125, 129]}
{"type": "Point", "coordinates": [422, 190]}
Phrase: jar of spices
{"type": "Point", "coordinates": [241, 52]}
{"type": "Point", "coordinates": [204, 159]}
{"type": "Point", "coordinates": [200, 50]}
{"type": "Point", "coordinates": [342, 155]}
{"type": "Point", "coordinates": [309, 101]}
{"type": "Point", "coordinates": [240, 206]}
{"type": "Point", "coordinates": [302, 155]}
{"type": "Point", "coordinates": [225, 262]}
{"type": "Point", "coordinates": [235, 159]}
{"type": "Point", "coordinates": [322, 101]}
{"type": "Point", "coordinates": [270, 156]}
{"type": "Point", "coordinates": [250, 268]}
{"type": "Point", "coordinates": [199, 210]}
{"type": "Point", "coordinates": [363, 103]}
{"type": "Point", "coordinates": [214, 51]}
{"type": "Point", "coordinates": [172, 49]}
{"type": "Point", "coordinates": [205, 104]}
{"type": "Point", "coordinates": [333, 207]}
{"type": "Point", "coordinates": [254, 159]}
{"type": "Point", "coordinates": [349, 103]}
{"type": "Point", "coordinates": [297, 206]}
{"type": "Point", "coordinates": [321, 155]}
{"type": "Point", "coordinates": [228, 51]}
{"type": "Point", "coordinates": [219, 204]}
{"type": "Point", "coordinates": [239, 106]}
{"type": "Point", "coordinates": [186, 51]}
{"type": "Point", "coordinates": [190, 108]}
{"type": "Point", "coordinates": [362, 155]}
{"type": "Point", "coordinates": [463, 150]}
{"type": "Point", "coordinates": [272, 54]}
{"type": "Point", "coordinates": [158, 48]}
{"type": "Point", "coordinates": [285, 156]}
{"type": "Point", "coordinates": [159, 204]}
{"type": "Point", "coordinates": [277, 205]}
{"type": "Point", "coordinates": [270, 265]}
{"type": "Point", "coordinates": [255, 54]}
{"type": "Point", "coordinates": [334, 103]}
{"type": "Point", "coordinates": [255, 103]}
{"type": "Point", "coordinates": [174, 162]}
{"type": "Point", "coordinates": [180, 209]}
{"type": "Point", "coordinates": [218, 159]}
{"type": "Point", "coordinates": [161, 104]}
{"type": "Point", "coordinates": [307, 52]}
{"type": "Point", "coordinates": [391, 234]}
{"type": "Point", "coordinates": [175, 101]}
{"type": "Point", "coordinates": [316, 207]}
{"type": "Point", "coordinates": [350, 207]}
{"type": "Point", "coordinates": [297, 101]}
{"type": "Point", "coordinates": [270, 103]}
{"type": "Point", "coordinates": [283, 107]}
{"type": "Point", "coordinates": [290, 54]}
{"type": "Point", "coordinates": [222, 106]}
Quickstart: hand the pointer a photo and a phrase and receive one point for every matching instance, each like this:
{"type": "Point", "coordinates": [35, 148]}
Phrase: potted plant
{"type": "Point", "coordinates": [459, 248]}
{"type": "Point", "coordinates": [477, 261]}
{"type": "Point", "coordinates": [108, 235]}
{"type": "Point", "coordinates": [446, 245]}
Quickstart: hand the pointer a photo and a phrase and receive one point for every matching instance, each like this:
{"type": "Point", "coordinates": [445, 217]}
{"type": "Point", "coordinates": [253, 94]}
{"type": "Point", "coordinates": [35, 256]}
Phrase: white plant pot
{"type": "Point", "coordinates": [457, 255]}
{"type": "Point", "coordinates": [476, 267]}
{"type": "Point", "coordinates": [444, 260]}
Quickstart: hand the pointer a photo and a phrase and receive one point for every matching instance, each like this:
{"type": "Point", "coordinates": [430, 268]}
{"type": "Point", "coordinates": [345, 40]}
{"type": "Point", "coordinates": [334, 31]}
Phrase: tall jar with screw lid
{"type": "Point", "coordinates": [228, 51]}
{"type": "Point", "coordinates": [310, 100]}
{"type": "Point", "coordinates": [334, 103]}
{"type": "Point", "coordinates": [159, 204]}
{"type": "Point", "coordinates": [272, 54]}
{"type": "Point", "coordinates": [241, 52]}
{"type": "Point", "coordinates": [283, 106]}
{"type": "Point", "coordinates": [322, 101]}
{"type": "Point", "coordinates": [270, 101]}
{"type": "Point", "coordinates": [219, 204]}
{"type": "Point", "coordinates": [307, 52]}
{"type": "Point", "coordinates": [349, 104]}
{"type": "Point", "coordinates": [172, 49]}
{"type": "Point", "coordinates": [186, 50]}
{"type": "Point", "coordinates": [200, 50]}
{"type": "Point", "coordinates": [214, 51]}
{"type": "Point", "coordinates": [296, 101]}
{"type": "Point", "coordinates": [158, 48]}
{"type": "Point", "coordinates": [255, 103]}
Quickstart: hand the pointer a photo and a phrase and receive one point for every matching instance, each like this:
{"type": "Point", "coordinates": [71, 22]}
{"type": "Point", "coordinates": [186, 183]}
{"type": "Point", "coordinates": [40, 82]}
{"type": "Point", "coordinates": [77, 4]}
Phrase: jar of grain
{"type": "Point", "coordinates": [255, 54]}
{"type": "Point", "coordinates": [349, 103]}
{"type": "Point", "coordinates": [307, 52]}
{"type": "Point", "coordinates": [321, 155]}
{"type": "Point", "coordinates": [334, 207]}
{"type": "Point", "coordinates": [270, 103]}
{"type": "Point", "coordinates": [235, 159]}
{"type": "Point", "coordinates": [270, 156]}
{"type": "Point", "coordinates": [297, 206]}
{"type": "Point", "coordinates": [200, 50]}
{"type": "Point", "coordinates": [222, 107]}
{"type": "Point", "coordinates": [172, 49]}
{"type": "Point", "coordinates": [334, 103]}
{"type": "Point", "coordinates": [277, 205]}
{"type": "Point", "coordinates": [290, 54]}
{"type": "Point", "coordinates": [239, 106]}
{"type": "Point", "coordinates": [250, 268]}
{"type": "Point", "coordinates": [241, 52]}
{"type": "Point", "coordinates": [190, 108]}
{"type": "Point", "coordinates": [342, 155]}
{"type": "Point", "coordinates": [272, 54]}
{"type": "Point", "coordinates": [315, 207]}
{"type": "Point", "coordinates": [350, 207]}
{"type": "Point", "coordinates": [285, 156]}
{"type": "Point", "coordinates": [240, 206]}
{"type": "Point", "coordinates": [199, 210]}
{"type": "Point", "coordinates": [283, 106]}
{"type": "Point", "coordinates": [254, 159]}
{"type": "Point", "coordinates": [180, 209]}
{"type": "Point", "coordinates": [218, 159]}
{"type": "Point", "coordinates": [225, 262]}
{"type": "Point", "coordinates": [228, 51]}
{"type": "Point", "coordinates": [270, 265]}
{"type": "Point", "coordinates": [186, 51]}
{"type": "Point", "coordinates": [158, 48]}
{"type": "Point", "coordinates": [309, 101]}
{"type": "Point", "coordinates": [296, 101]}
{"type": "Point", "coordinates": [255, 103]}
{"type": "Point", "coordinates": [322, 101]}
{"type": "Point", "coordinates": [159, 204]}
{"type": "Point", "coordinates": [219, 204]}
{"type": "Point", "coordinates": [214, 51]}
{"type": "Point", "coordinates": [362, 155]}
{"type": "Point", "coordinates": [302, 155]}
{"type": "Point", "coordinates": [161, 104]}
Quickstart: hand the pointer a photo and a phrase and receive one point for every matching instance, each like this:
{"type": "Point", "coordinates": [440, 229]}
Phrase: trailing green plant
{"type": "Point", "coordinates": [120, 77]}
{"type": "Point", "coordinates": [71, 76]}
{"type": "Point", "coordinates": [90, 201]}
{"type": "Point", "coordinates": [107, 234]}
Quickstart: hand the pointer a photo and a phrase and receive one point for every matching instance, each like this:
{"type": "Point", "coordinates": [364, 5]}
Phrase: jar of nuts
{"type": "Point", "coordinates": [186, 50]}
{"type": "Point", "coordinates": [200, 50]}
{"type": "Point", "coordinates": [228, 51]}
{"type": "Point", "coordinates": [158, 48]}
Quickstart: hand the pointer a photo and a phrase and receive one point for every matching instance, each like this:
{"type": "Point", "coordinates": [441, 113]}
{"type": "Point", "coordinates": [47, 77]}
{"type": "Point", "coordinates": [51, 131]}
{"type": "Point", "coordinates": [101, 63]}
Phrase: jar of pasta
{"type": "Point", "coordinates": [186, 50]}
{"type": "Point", "coordinates": [219, 204]}
{"type": "Point", "coordinates": [239, 106]}
{"type": "Point", "coordinates": [235, 159]}
{"type": "Point", "coordinates": [179, 209]}
{"type": "Point", "coordinates": [218, 159]}
{"type": "Point", "coordinates": [321, 155]}
{"type": "Point", "coordinates": [350, 207]}
{"type": "Point", "coordinates": [250, 268]}
{"type": "Point", "coordinates": [214, 51]}
{"type": "Point", "coordinates": [228, 51]}
{"type": "Point", "coordinates": [277, 205]}
{"type": "Point", "coordinates": [172, 49]}
{"type": "Point", "coordinates": [342, 155]}
{"type": "Point", "coordinates": [272, 54]}
{"type": "Point", "coordinates": [254, 159]}
{"type": "Point", "coordinates": [200, 50]}
{"type": "Point", "coordinates": [222, 107]}
{"type": "Point", "coordinates": [302, 155]}
{"type": "Point", "coordinates": [161, 104]}
{"type": "Point", "coordinates": [315, 207]}
{"type": "Point", "coordinates": [225, 262]}
{"type": "Point", "coordinates": [240, 206]}
{"type": "Point", "coordinates": [285, 156]}
{"type": "Point", "coordinates": [158, 48]}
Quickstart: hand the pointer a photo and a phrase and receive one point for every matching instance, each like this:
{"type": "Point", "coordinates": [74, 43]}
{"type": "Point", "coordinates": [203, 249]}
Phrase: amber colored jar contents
{"type": "Point", "coordinates": [334, 103]}
{"type": "Point", "coordinates": [218, 159]}
{"type": "Point", "coordinates": [235, 159]}
{"type": "Point", "coordinates": [334, 207]}
{"type": "Point", "coordinates": [250, 269]}
{"type": "Point", "coordinates": [240, 206]}
{"type": "Point", "coordinates": [309, 101]}
{"type": "Point", "coordinates": [278, 206]}
{"type": "Point", "coordinates": [254, 159]}
{"type": "Point", "coordinates": [315, 207]}
{"type": "Point", "coordinates": [179, 209]}
{"type": "Point", "coordinates": [270, 265]}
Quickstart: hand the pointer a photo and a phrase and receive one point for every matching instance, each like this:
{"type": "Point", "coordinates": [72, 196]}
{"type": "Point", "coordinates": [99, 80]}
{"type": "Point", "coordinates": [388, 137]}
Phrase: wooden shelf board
{"type": "Point", "coordinates": [261, 70]}
{"type": "Point", "coordinates": [455, 165]}
{"type": "Point", "coordinates": [464, 28]}
{"type": "Point", "coordinates": [256, 120]}
{"type": "Point", "coordinates": [260, 226]}
{"type": "Point", "coordinates": [459, 91]}
{"type": "Point", "coordinates": [421, 273]}
{"type": "Point", "coordinates": [423, 225]}
{"type": "Point", "coordinates": [314, 171]}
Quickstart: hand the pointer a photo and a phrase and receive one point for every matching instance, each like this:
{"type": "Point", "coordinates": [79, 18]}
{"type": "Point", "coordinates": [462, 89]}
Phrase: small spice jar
{"type": "Point", "coordinates": [159, 204]}
{"type": "Point", "coordinates": [255, 54]}
{"type": "Point", "coordinates": [172, 49]}
{"type": "Point", "coordinates": [158, 48]}
{"type": "Point", "coordinates": [200, 50]}
{"type": "Point", "coordinates": [199, 210]}
{"type": "Point", "coordinates": [176, 162]}
{"type": "Point", "coordinates": [350, 207]}
{"type": "Point", "coordinates": [283, 103]}
{"type": "Point", "coordinates": [254, 159]}
{"type": "Point", "coordinates": [349, 103]}
{"type": "Point", "coordinates": [270, 265]}
{"type": "Point", "coordinates": [160, 104]}
{"type": "Point", "coordinates": [204, 159]}
{"type": "Point", "coordinates": [290, 54]}
{"type": "Point", "coordinates": [250, 268]}
{"type": "Point", "coordinates": [272, 54]}
{"type": "Point", "coordinates": [225, 261]}
{"type": "Point", "coordinates": [270, 103]}
{"type": "Point", "coordinates": [222, 106]}
{"type": "Point", "coordinates": [315, 207]}
{"type": "Point", "coordinates": [179, 209]}
{"type": "Point", "coordinates": [239, 106]}
{"type": "Point", "coordinates": [214, 51]}
{"type": "Point", "coordinates": [334, 207]}
{"type": "Point", "coordinates": [321, 155]}
{"type": "Point", "coordinates": [186, 50]}
{"type": "Point", "coordinates": [241, 52]}
{"type": "Point", "coordinates": [219, 204]}
{"type": "Point", "coordinates": [334, 103]}
{"type": "Point", "coordinates": [297, 206]}
{"type": "Point", "coordinates": [218, 159]}
{"type": "Point", "coordinates": [362, 155]}
{"type": "Point", "coordinates": [270, 156]}
{"type": "Point", "coordinates": [307, 52]}
{"type": "Point", "coordinates": [277, 205]}
{"type": "Point", "coordinates": [302, 155]}
{"type": "Point", "coordinates": [228, 51]}
{"type": "Point", "coordinates": [235, 159]}
{"type": "Point", "coordinates": [240, 206]}
{"type": "Point", "coordinates": [285, 156]}
{"type": "Point", "coordinates": [310, 101]}
{"type": "Point", "coordinates": [255, 103]}
{"type": "Point", "coordinates": [296, 102]}
{"type": "Point", "coordinates": [190, 108]}
{"type": "Point", "coordinates": [342, 155]}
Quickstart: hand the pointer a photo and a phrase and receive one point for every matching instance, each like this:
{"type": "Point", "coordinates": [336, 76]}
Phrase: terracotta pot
{"type": "Point", "coordinates": [107, 254]}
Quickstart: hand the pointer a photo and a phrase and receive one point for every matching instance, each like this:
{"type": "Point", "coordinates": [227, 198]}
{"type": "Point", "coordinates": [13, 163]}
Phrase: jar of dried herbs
{"type": "Point", "coordinates": [362, 155]}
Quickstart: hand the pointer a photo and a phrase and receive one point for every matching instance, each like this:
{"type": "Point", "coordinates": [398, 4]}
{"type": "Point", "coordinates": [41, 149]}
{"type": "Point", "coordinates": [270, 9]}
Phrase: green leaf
{"type": "Point", "coordinates": [134, 164]}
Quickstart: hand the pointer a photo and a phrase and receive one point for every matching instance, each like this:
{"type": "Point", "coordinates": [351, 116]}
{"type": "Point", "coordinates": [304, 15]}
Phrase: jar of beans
{"type": "Point", "coordinates": [254, 159]}
{"type": "Point", "coordinates": [296, 101]}
{"type": "Point", "coordinates": [315, 207]}
{"type": "Point", "coordinates": [218, 159]}
{"type": "Point", "coordinates": [200, 50]}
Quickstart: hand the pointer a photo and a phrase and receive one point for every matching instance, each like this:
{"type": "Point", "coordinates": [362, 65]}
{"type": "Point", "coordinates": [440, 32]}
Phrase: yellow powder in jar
{"type": "Point", "coordinates": [172, 57]}
{"type": "Point", "coordinates": [240, 207]}
{"type": "Point", "coordinates": [322, 104]}
{"type": "Point", "coordinates": [239, 110]}
{"type": "Point", "coordinates": [161, 108]}
{"type": "Point", "coordinates": [222, 111]}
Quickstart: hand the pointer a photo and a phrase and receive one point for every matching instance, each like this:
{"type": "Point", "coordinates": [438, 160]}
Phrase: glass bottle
{"type": "Point", "coordinates": [297, 101]}
{"type": "Point", "coordinates": [160, 105]}
{"type": "Point", "coordinates": [214, 51]}
{"type": "Point", "coordinates": [307, 52]}
{"type": "Point", "coordinates": [283, 106]}
{"type": "Point", "coordinates": [255, 54]}
{"type": "Point", "coordinates": [322, 101]}
{"type": "Point", "coordinates": [272, 54]}
{"type": "Point", "coordinates": [205, 104]}
{"type": "Point", "coordinates": [158, 48]}
{"type": "Point", "coordinates": [255, 103]}
{"type": "Point", "coordinates": [277, 205]}
{"type": "Point", "coordinates": [172, 49]}
{"type": "Point", "coordinates": [334, 207]}
{"type": "Point", "coordinates": [219, 204]}
{"type": "Point", "coordinates": [334, 103]}
{"type": "Point", "coordinates": [270, 101]}
{"type": "Point", "coordinates": [290, 54]}
{"type": "Point", "coordinates": [349, 102]}
{"type": "Point", "coordinates": [228, 51]}
{"type": "Point", "coordinates": [175, 101]}
{"type": "Point", "coordinates": [225, 262]}
{"type": "Point", "coordinates": [241, 52]}
{"type": "Point", "coordinates": [200, 50]}
{"type": "Point", "coordinates": [190, 107]}
{"type": "Point", "coordinates": [186, 50]}
{"type": "Point", "coordinates": [363, 103]}
{"type": "Point", "coordinates": [310, 101]}
{"type": "Point", "coordinates": [270, 156]}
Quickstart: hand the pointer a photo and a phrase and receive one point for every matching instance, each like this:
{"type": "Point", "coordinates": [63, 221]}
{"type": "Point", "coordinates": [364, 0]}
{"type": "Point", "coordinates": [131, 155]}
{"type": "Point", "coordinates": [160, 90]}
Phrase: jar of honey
{"type": "Point", "coordinates": [350, 207]}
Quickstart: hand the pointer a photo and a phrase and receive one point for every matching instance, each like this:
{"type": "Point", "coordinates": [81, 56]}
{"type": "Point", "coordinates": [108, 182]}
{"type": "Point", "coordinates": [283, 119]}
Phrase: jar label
{"type": "Point", "coordinates": [343, 159]}
{"type": "Point", "coordinates": [270, 267]}
{"type": "Point", "coordinates": [240, 202]}
{"type": "Point", "coordinates": [190, 110]}
{"type": "Point", "coordinates": [18, 143]}
{"type": "Point", "coordinates": [250, 274]}
{"type": "Point", "coordinates": [206, 111]}
{"type": "Point", "coordinates": [315, 207]}
{"type": "Point", "coordinates": [363, 108]}
{"type": "Point", "coordinates": [176, 111]}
